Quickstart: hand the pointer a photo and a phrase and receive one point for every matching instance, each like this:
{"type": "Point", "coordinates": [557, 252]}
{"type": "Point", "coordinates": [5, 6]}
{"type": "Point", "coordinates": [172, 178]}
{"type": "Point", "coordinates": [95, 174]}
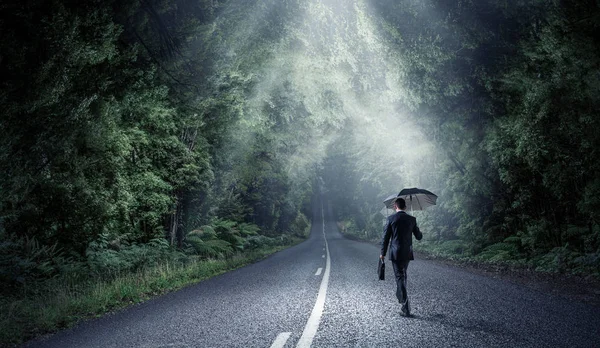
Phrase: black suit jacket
{"type": "Point", "coordinates": [398, 232]}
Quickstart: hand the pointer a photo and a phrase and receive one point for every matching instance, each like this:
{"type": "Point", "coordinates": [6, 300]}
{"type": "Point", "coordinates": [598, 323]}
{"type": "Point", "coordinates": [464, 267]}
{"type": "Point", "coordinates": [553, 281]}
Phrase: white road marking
{"type": "Point", "coordinates": [322, 256]}
{"type": "Point", "coordinates": [281, 339]}
{"type": "Point", "coordinates": [312, 325]}
{"type": "Point", "coordinates": [319, 271]}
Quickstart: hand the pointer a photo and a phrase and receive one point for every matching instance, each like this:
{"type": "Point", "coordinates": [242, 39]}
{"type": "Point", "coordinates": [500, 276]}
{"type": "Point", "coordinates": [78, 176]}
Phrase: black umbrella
{"type": "Point", "coordinates": [416, 199]}
{"type": "Point", "coordinates": [389, 204]}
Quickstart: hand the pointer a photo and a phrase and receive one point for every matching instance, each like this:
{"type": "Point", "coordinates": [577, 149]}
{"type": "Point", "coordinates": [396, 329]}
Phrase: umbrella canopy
{"type": "Point", "coordinates": [416, 199]}
{"type": "Point", "coordinates": [389, 202]}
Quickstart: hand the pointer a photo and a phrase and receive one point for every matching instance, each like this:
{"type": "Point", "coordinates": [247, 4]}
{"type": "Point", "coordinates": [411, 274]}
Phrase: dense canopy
{"type": "Point", "coordinates": [210, 124]}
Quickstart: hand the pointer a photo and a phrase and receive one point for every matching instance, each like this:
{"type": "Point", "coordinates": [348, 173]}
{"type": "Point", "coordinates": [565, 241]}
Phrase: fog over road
{"type": "Point", "coordinates": [273, 302]}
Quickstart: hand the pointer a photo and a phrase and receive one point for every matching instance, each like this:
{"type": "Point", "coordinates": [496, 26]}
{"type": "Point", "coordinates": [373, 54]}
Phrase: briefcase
{"type": "Point", "coordinates": [381, 269]}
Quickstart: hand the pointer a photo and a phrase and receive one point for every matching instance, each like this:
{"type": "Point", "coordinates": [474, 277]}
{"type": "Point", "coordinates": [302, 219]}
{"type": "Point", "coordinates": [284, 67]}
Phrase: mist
{"type": "Point", "coordinates": [330, 78]}
{"type": "Point", "coordinates": [167, 137]}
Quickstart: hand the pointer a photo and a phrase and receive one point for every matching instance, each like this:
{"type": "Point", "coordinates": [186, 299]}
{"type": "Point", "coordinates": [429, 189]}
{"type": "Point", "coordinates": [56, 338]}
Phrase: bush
{"type": "Point", "coordinates": [587, 264]}
{"type": "Point", "coordinates": [563, 259]}
{"type": "Point", "coordinates": [558, 259]}
{"type": "Point", "coordinates": [257, 242]}
{"type": "Point", "coordinates": [206, 244]}
{"type": "Point", "coordinates": [106, 257]}
{"type": "Point", "coordinates": [451, 249]}
{"type": "Point", "coordinates": [228, 231]}
{"type": "Point", "coordinates": [348, 226]}
{"type": "Point", "coordinates": [455, 246]}
{"type": "Point", "coordinates": [222, 238]}
{"type": "Point", "coordinates": [300, 227]}
{"type": "Point", "coordinates": [500, 252]}
{"type": "Point", "coordinates": [25, 261]}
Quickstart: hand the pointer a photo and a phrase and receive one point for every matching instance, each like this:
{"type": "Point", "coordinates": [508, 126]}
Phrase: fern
{"type": "Point", "coordinates": [208, 248]}
{"type": "Point", "coordinates": [257, 242]}
{"type": "Point", "coordinates": [500, 252]}
{"type": "Point", "coordinates": [205, 232]}
{"type": "Point", "coordinates": [247, 229]}
{"type": "Point", "coordinates": [25, 260]}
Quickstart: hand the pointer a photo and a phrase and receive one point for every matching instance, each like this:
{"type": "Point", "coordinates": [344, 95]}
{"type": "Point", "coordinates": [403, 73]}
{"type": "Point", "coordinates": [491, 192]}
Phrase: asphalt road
{"type": "Point", "coordinates": [286, 301]}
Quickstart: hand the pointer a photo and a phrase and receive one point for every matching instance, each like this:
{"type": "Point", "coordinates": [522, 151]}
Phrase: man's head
{"type": "Point", "coordinates": [400, 203]}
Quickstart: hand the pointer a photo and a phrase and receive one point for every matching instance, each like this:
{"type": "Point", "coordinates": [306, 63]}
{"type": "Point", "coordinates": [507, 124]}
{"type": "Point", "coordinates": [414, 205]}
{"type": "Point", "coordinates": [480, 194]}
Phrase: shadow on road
{"type": "Point", "coordinates": [470, 325]}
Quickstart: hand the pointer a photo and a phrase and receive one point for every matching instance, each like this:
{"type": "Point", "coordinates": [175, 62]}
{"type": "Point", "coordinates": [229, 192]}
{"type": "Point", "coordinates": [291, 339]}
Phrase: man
{"type": "Point", "coordinates": [399, 230]}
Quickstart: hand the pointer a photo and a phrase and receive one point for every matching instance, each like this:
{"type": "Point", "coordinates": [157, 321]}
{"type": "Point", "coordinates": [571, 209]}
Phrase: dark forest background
{"type": "Point", "coordinates": [141, 132]}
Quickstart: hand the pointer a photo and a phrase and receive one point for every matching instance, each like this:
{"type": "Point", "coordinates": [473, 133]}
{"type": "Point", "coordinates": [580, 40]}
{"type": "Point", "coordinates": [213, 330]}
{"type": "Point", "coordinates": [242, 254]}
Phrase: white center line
{"type": "Point", "coordinates": [323, 256]}
{"type": "Point", "coordinates": [312, 325]}
{"type": "Point", "coordinates": [281, 339]}
{"type": "Point", "coordinates": [319, 271]}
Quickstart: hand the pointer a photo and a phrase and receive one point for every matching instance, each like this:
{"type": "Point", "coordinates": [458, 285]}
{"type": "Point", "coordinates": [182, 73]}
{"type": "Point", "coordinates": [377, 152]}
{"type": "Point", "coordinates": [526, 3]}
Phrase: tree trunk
{"type": "Point", "coordinates": [179, 233]}
{"type": "Point", "coordinates": [172, 227]}
{"type": "Point", "coordinates": [176, 233]}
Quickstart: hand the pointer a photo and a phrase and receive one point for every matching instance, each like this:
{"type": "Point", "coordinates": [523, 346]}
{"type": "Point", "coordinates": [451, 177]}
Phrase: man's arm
{"type": "Point", "coordinates": [385, 241]}
{"type": "Point", "coordinates": [417, 231]}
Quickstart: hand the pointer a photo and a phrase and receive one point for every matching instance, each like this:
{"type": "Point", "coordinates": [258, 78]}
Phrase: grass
{"type": "Point", "coordinates": [61, 304]}
{"type": "Point", "coordinates": [506, 256]}
{"type": "Point", "coordinates": [453, 249]}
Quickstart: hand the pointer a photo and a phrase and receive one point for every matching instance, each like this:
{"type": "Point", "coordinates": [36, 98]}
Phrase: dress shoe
{"type": "Point", "coordinates": [405, 308]}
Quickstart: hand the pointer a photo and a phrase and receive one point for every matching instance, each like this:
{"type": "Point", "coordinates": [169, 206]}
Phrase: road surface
{"type": "Point", "coordinates": [324, 292]}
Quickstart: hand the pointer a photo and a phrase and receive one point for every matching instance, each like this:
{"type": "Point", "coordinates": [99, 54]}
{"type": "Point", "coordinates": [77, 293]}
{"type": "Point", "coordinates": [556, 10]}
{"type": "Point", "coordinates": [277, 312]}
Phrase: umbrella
{"type": "Point", "coordinates": [389, 204]}
{"type": "Point", "coordinates": [416, 199]}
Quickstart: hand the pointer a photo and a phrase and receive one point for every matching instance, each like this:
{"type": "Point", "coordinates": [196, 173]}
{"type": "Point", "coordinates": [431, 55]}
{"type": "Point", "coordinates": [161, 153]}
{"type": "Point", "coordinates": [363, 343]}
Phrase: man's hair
{"type": "Point", "coordinates": [400, 203]}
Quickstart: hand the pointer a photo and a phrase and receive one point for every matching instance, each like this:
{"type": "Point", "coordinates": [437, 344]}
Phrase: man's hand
{"type": "Point", "coordinates": [381, 257]}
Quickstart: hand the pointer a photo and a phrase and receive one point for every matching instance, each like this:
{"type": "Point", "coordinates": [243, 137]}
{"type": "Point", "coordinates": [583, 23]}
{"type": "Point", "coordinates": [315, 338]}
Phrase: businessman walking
{"type": "Point", "coordinates": [398, 232]}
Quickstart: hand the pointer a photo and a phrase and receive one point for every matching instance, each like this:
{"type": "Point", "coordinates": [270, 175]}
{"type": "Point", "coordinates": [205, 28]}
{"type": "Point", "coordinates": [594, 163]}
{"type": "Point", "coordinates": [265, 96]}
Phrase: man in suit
{"type": "Point", "coordinates": [398, 232]}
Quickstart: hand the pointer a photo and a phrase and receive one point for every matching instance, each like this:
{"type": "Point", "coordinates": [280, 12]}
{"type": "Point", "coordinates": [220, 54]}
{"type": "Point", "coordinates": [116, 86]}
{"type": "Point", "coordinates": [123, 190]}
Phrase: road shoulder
{"type": "Point", "coordinates": [575, 287]}
{"type": "Point", "coordinates": [584, 289]}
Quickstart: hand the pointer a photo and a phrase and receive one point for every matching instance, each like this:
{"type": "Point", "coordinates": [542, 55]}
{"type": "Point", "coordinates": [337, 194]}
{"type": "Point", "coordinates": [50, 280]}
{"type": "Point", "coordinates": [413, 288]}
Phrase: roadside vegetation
{"type": "Point", "coordinates": [130, 161]}
{"type": "Point", "coordinates": [144, 138]}
{"type": "Point", "coordinates": [508, 94]}
{"type": "Point", "coordinates": [55, 292]}
{"type": "Point", "coordinates": [509, 254]}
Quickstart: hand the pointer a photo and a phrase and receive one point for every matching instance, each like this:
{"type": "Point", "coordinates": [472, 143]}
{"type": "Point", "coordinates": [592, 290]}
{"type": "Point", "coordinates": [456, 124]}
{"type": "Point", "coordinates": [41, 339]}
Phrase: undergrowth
{"type": "Point", "coordinates": [508, 253]}
{"type": "Point", "coordinates": [45, 290]}
{"type": "Point", "coordinates": [61, 303]}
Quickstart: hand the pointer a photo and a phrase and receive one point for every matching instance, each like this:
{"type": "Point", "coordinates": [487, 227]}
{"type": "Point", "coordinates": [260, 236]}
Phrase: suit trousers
{"type": "Point", "coordinates": [400, 273]}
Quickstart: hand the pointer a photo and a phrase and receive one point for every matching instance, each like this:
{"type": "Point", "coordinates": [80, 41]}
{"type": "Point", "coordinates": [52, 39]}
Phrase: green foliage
{"type": "Point", "coordinates": [205, 242]}
{"type": "Point", "coordinates": [24, 261]}
{"type": "Point", "coordinates": [110, 258]}
{"type": "Point", "coordinates": [562, 259]}
{"type": "Point", "coordinates": [127, 122]}
{"type": "Point", "coordinates": [258, 242]}
{"type": "Point", "coordinates": [450, 249]}
{"type": "Point", "coordinates": [500, 252]}
{"type": "Point", "coordinates": [508, 94]}
{"type": "Point", "coordinates": [590, 202]}
{"type": "Point", "coordinates": [227, 230]}
{"type": "Point", "coordinates": [300, 226]}
{"type": "Point", "coordinates": [212, 248]}
{"type": "Point", "coordinates": [89, 153]}
{"type": "Point", "coordinates": [247, 230]}
{"type": "Point", "coordinates": [348, 227]}
{"type": "Point", "coordinates": [223, 238]}
{"type": "Point", "coordinates": [63, 303]}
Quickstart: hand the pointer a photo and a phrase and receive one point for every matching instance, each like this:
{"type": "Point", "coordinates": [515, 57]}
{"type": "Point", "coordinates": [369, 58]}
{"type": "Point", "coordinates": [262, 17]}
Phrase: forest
{"type": "Point", "coordinates": [139, 134]}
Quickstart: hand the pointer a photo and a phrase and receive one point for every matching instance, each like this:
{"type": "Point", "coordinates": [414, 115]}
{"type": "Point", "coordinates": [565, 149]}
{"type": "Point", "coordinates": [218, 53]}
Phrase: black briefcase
{"type": "Point", "coordinates": [381, 269]}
